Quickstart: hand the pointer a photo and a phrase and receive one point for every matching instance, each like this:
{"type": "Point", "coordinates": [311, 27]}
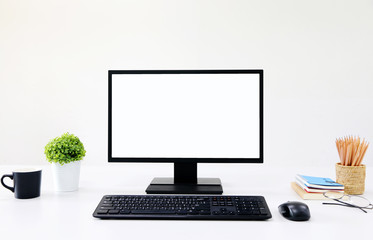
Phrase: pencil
{"type": "Point", "coordinates": [351, 150]}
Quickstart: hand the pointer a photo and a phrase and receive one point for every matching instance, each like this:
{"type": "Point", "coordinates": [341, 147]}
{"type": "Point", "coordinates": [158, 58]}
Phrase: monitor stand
{"type": "Point", "coordinates": [185, 181]}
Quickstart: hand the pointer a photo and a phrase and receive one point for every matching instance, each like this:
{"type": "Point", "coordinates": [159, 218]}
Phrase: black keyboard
{"type": "Point", "coordinates": [183, 207]}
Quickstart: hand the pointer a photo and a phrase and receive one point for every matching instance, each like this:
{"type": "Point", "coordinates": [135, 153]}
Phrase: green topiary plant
{"type": "Point", "coordinates": [64, 149]}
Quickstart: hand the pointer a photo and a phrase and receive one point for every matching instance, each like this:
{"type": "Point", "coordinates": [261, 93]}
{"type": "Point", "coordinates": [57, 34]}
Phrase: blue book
{"type": "Point", "coordinates": [319, 182]}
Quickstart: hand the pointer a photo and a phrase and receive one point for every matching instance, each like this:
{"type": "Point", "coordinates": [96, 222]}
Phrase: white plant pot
{"type": "Point", "coordinates": [66, 177]}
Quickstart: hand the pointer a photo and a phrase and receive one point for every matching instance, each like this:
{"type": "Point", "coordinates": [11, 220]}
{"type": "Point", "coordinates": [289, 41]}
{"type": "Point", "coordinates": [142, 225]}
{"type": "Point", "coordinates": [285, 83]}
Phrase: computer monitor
{"type": "Point", "coordinates": [185, 117]}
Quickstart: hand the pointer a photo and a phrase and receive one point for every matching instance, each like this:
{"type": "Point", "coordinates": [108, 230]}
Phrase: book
{"type": "Point", "coordinates": [319, 182]}
{"type": "Point", "coordinates": [314, 190]}
{"type": "Point", "coordinates": [306, 195]}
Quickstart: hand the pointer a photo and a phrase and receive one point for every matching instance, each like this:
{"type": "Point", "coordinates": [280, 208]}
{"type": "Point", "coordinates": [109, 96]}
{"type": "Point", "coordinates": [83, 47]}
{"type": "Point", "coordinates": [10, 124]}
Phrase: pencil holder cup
{"type": "Point", "coordinates": [352, 177]}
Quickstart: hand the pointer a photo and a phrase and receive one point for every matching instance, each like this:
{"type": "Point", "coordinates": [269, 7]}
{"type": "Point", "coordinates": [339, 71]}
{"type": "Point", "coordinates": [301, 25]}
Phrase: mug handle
{"type": "Point", "coordinates": [6, 186]}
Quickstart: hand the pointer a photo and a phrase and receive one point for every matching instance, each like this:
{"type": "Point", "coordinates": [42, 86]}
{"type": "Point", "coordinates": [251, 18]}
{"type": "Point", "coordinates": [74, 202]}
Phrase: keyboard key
{"type": "Point", "coordinates": [106, 208]}
{"type": "Point", "coordinates": [102, 211]}
{"type": "Point", "coordinates": [124, 211]}
{"type": "Point", "coordinates": [204, 212]}
{"type": "Point", "coordinates": [152, 212]}
{"type": "Point", "coordinates": [182, 212]}
{"type": "Point", "coordinates": [113, 211]}
{"type": "Point", "coordinates": [192, 212]}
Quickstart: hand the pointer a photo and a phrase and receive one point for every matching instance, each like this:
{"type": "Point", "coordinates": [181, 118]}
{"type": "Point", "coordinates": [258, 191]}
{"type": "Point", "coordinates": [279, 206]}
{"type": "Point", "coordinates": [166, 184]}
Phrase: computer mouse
{"type": "Point", "coordinates": [295, 211]}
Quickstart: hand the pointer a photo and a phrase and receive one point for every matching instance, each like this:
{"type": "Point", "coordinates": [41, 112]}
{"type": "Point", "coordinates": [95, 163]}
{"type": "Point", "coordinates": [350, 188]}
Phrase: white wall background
{"type": "Point", "coordinates": [317, 58]}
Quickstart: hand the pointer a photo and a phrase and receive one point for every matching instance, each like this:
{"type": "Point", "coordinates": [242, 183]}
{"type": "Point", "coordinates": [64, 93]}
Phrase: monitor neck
{"type": "Point", "coordinates": [185, 173]}
{"type": "Point", "coordinates": [185, 181]}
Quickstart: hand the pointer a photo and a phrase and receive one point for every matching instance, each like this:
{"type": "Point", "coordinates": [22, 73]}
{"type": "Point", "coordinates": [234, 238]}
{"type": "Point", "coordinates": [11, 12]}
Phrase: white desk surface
{"type": "Point", "coordinates": [69, 215]}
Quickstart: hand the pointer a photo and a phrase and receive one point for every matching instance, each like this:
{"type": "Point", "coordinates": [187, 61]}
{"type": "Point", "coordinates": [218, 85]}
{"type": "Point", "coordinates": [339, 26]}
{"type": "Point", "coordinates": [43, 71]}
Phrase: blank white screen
{"type": "Point", "coordinates": [185, 115]}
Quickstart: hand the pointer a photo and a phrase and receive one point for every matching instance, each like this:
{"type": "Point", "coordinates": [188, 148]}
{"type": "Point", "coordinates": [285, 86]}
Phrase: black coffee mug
{"type": "Point", "coordinates": [26, 183]}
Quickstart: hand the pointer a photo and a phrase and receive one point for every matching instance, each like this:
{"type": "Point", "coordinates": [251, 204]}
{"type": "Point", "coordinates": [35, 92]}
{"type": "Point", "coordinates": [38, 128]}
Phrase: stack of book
{"type": "Point", "coordinates": [309, 187]}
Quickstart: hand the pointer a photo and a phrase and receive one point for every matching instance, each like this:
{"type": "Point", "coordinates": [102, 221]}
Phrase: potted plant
{"type": "Point", "coordinates": [65, 154]}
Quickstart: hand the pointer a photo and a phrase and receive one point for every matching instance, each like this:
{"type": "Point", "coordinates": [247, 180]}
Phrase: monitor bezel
{"type": "Point", "coordinates": [190, 160]}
